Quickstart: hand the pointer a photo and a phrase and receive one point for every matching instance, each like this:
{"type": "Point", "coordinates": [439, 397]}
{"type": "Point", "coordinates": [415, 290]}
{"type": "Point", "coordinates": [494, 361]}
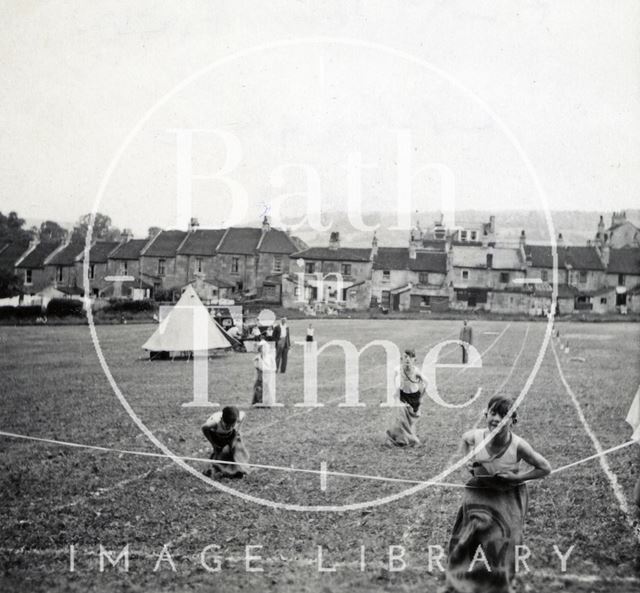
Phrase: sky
{"type": "Point", "coordinates": [300, 107]}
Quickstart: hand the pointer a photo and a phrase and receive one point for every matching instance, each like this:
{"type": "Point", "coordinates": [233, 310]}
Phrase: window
{"type": "Point", "coordinates": [474, 235]}
{"type": "Point", "coordinates": [310, 267]}
{"type": "Point", "coordinates": [296, 291]}
{"type": "Point", "coordinates": [463, 235]}
{"type": "Point", "coordinates": [161, 267]}
{"type": "Point", "coordinates": [621, 279]}
{"type": "Point", "coordinates": [125, 268]}
{"type": "Point", "coordinates": [504, 277]}
{"type": "Point", "coordinates": [235, 265]}
{"type": "Point", "coordinates": [277, 263]}
{"type": "Point", "coordinates": [386, 275]}
{"type": "Point", "coordinates": [346, 269]}
{"type": "Point", "coordinates": [92, 271]}
{"type": "Point", "coordinates": [269, 291]}
{"type": "Point", "coordinates": [489, 260]}
{"type": "Point", "coordinates": [583, 276]}
{"type": "Point", "coordinates": [59, 273]}
{"type": "Point", "coordinates": [544, 275]}
{"type": "Point", "coordinates": [603, 301]}
{"type": "Point", "coordinates": [465, 274]}
{"type": "Point", "coordinates": [27, 277]}
{"type": "Point", "coordinates": [198, 264]}
{"type": "Point", "coordinates": [423, 278]}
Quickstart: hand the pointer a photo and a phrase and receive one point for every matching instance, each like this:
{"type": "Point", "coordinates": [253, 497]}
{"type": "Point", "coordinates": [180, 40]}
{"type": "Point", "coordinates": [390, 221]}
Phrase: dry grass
{"type": "Point", "coordinates": [52, 386]}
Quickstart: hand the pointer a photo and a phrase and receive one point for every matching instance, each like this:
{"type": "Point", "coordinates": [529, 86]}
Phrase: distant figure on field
{"type": "Point", "coordinates": [466, 335]}
{"type": "Point", "coordinates": [222, 430]}
{"type": "Point", "coordinates": [310, 332]}
{"type": "Point", "coordinates": [283, 343]}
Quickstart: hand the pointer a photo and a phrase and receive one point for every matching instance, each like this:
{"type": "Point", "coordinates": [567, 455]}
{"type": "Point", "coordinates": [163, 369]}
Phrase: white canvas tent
{"type": "Point", "coordinates": [187, 328]}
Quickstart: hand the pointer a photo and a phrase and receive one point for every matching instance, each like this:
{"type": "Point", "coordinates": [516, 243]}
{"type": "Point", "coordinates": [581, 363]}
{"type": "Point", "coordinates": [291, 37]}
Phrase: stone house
{"type": "Point", "coordinates": [325, 274]}
{"type": "Point", "coordinates": [621, 233]}
{"type": "Point", "coordinates": [409, 278]}
{"type": "Point", "coordinates": [196, 256]}
{"type": "Point", "coordinates": [158, 264]}
{"type": "Point", "coordinates": [60, 268]}
{"type": "Point", "coordinates": [124, 260]}
{"type": "Point", "coordinates": [30, 266]}
{"type": "Point", "coordinates": [98, 266]}
{"type": "Point", "coordinates": [623, 277]}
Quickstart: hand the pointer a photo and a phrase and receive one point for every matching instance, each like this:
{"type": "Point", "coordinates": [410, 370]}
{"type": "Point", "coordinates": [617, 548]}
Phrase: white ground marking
{"type": "Point", "coordinates": [613, 479]}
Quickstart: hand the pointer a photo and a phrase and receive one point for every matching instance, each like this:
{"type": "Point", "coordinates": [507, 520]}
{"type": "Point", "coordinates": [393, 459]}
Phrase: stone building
{"type": "Point", "coordinates": [124, 261]}
{"type": "Point", "coordinates": [158, 262]}
{"type": "Point", "coordinates": [620, 233]}
{"type": "Point", "coordinates": [325, 274]}
{"type": "Point", "coordinates": [31, 266]}
{"type": "Point", "coordinates": [98, 266]}
{"type": "Point", "coordinates": [60, 268]}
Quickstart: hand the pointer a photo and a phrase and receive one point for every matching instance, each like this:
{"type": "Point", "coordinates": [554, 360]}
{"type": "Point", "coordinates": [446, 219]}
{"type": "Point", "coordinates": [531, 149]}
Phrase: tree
{"type": "Point", "coordinates": [11, 228]}
{"type": "Point", "coordinates": [10, 283]}
{"type": "Point", "coordinates": [51, 231]}
{"type": "Point", "coordinates": [153, 231]}
{"type": "Point", "coordinates": [102, 229]}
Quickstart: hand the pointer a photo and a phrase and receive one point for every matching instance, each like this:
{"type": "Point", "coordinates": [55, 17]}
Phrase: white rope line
{"type": "Point", "coordinates": [280, 467]}
{"type": "Point", "coordinates": [219, 462]}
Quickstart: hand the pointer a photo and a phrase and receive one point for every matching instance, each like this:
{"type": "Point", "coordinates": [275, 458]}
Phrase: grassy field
{"type": "Point", "coordinates": [52, 386]}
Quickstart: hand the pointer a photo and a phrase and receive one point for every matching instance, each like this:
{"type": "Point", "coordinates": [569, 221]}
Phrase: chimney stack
{"type": "Point", "coordinates": [374, 246]}
{"type": "Point", "coordinates": [266, 226]}
{"type": "Point", "coordinates": [126, 235]}
{"type": "Point", "coordinates": [412, 251]}
{"type": "Point", "coordinates": [193, 224]}
{"type": "Point", "coordinates": [334, 240]}
{"type": "Point", "coordinates": [523, 238]}
{"type": "Point", "coordinates": [560, 240]}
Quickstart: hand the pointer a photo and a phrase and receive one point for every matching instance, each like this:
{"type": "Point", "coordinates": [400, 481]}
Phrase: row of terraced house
{"type": "Point", "coordinates": [438, 269]}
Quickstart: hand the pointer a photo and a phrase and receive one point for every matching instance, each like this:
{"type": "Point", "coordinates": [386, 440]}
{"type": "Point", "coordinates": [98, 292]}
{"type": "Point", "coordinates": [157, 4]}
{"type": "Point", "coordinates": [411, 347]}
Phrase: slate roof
{"type": "Point", "coordinates": [35, 258]}
{"type": "Point", "coordinates": [130, 249]}
{"type": "Point", "coordinates": [397, 258]}
{"type": "Point", "coordinates": [10, 253]}
{"type": "Point", "coordinates": [579, 258]}
{"type": "Point", "coordinates": [391, 258]}
{"type": "Point", "coordinates": [621, 261]}
{"type": "Point", "coordinates": [201, 242]}
{"type": "Point", "coordinates": [67, 255]}
{"type": "Point", "coordinates": [165, 244]}
{"type": "Point", "coordinates": [240, 240]}
{"type": "Point", "coordinates": [99, 251]}
{"type": "Point", "coordinates": [429, 262]}
{"type": "Point", "coordinates": [355, 254]}
{"type": "Point", "coordinates": [277, 241]}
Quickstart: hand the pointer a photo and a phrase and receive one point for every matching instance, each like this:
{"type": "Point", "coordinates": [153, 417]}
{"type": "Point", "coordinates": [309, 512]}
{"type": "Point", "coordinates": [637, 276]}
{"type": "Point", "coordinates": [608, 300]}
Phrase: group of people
{"type": "Point", "coordinates": [495, 498]}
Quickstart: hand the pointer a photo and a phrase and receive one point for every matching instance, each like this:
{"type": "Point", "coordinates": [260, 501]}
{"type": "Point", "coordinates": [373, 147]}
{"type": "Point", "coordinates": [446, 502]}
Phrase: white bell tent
{"type": "Point", "coordinates": [187, 328]}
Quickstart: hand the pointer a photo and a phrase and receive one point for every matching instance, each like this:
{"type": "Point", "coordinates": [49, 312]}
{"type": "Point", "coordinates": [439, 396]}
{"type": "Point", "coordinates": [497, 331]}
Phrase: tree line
{"type": "Point", "coordinates": [13, 230]}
